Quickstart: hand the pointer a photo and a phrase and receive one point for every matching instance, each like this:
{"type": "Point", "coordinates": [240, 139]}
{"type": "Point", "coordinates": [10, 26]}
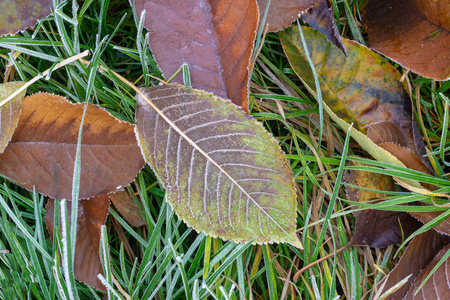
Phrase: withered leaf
{"type": "Point", "coordinates": [224, 174]}
{"type": "Point", "coordinates": [215, 38]}
{"type": "Point", "coordinates": [282, 13]}
{"type": "Point", "coordinates": [124, 203]}
{"type": "Point", "coordinates": [376, 228]}
{"type": "Point", "coordinates": [316, 13]}
{"type": "Point", "coordinates": [362, 89]}
{"type": "Point", "coordinates": [42, 150]}
{"type": "Point", "coordinates": [9, 112]}
{"type": "Point", "coordinates": [19, 15]}
{"type": "Point", "coordinates": [438, 285]}
{"type": "Point", "coordinates": [92, 215]}
{"type": "Point", "coordinates": [414, 33]}
{"type": "Point", "coordinates": [417, 255]}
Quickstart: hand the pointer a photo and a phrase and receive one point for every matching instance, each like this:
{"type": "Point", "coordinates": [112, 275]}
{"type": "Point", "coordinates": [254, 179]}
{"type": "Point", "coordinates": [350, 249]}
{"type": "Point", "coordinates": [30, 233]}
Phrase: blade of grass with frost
{"type": "Point", "coordinates": [335, 192]}
{"type": "Point", "coordinates": [68, 249]}
{"type": "Point", "coordinates": [444, 130]}
{"type": "Point", "coordinates": [270, 274]}
{"type": "Point", "coordinates": [180, 264]}
{"type": "Point", "coordinates": [316, 81]}
{"type": "Point", "coordinates": [23, 229]}
{"type": "Point", "coordinates": [106, 263]}
{"type": "Point", "coordinates": [440, 262]}
{"type": "Point", "coordinates": [260, 32]}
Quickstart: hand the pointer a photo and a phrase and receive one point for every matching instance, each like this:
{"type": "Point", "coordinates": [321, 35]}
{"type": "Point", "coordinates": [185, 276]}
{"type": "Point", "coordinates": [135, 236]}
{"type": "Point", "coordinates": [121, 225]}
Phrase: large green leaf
{"type": "Point", "coordinates": [9, 111]}
{"type": "Point", "coordinates": [224, 174]}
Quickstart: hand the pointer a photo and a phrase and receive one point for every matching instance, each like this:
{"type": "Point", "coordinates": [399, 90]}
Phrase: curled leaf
{"type": "Point", "coordinates": [9, 112]}
{"type": "Point", "coordinates": [42, 150]}
{"type": "Point", "coordinates": [223, 173]}
{"type": "Point", "coordinates": [92, 215]}
{"type": "Point", "coordinates": [215, 38]}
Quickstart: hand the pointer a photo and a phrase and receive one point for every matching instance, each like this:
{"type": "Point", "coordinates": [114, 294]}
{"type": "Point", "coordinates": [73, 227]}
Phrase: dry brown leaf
{"type": "Point", "coordinates": [92, 215]}
{"type": "Point", "coordinates": [417, 255]}
{"type": "Point", "coordinates": [124, 203]}
{"type": "Point", "coordinates": [282, 13]}
{"type": "Point", "coordinates": [414, 33]}
{"type": "Point", "coordinates": [438, 285]}
{"type": "Point", "coordinates": [215, 38]}
{"type": "Point", "coordinates": [42, 150]}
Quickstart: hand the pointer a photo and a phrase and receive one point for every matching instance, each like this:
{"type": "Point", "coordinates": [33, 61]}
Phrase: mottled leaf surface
{"type": "Point", "coordinates": [438, 285]}
{"type": "Point", "coordinates": [42, 150]}
{"type": "Point", "coordinates": [362, 89]}
{"type": "Point", "coordinates": [92, 215]}
{"type": "Point", "coordinates": [223, 173]}
{"type": "Point", "coordinates": [417, 256]}
{"type": "Point", "coordinates": [124, 203]}
{"type": "Point", "coordinates": [215, 38]}
{"type": "Point", "coordinates": [9, 112]}
{"type": "Point", "coordinates": [19, 15]}
{"type": "Point", "coordinates": [414, 33]}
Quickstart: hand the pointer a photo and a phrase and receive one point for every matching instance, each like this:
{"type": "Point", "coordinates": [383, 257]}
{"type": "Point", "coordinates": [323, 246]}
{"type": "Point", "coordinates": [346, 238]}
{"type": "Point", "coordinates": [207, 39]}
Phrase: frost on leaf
{"type": "Point", "coordinates": [223, 173]}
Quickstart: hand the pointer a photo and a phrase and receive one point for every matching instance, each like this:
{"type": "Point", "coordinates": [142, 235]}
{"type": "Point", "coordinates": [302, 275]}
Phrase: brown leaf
{"type": "Point", "coordinates": [438, 285]}
{"type": "Point", "coordinates": [92, 215]}
{"type": "Point", "coordinates": [282, 13]}
{"type": "Point", "coordinates": [425, 217]}
{"type": "Point", "coordinates": [379, 228]}
{"type": "Point", "coordinates": [19, 15]}
{"type": "Point", "coordinates": [407, 156]}
{"type": "Point", "coordinates": [414, 33]}
{"type": "Point", "coordinates": [42, 150]}
{"type": "Point", "coordinates": [9, 112]}
{"type": "Point", "coordinates": [125, 205]}
{"type": "Point", "coordinates": [215, 38]}
{"type": "Point", "coordinates": [321, 18]}
{"type": "Point", "coordinates": [417, 255]}
{"type": "Point", "coordinates": [376, 228]}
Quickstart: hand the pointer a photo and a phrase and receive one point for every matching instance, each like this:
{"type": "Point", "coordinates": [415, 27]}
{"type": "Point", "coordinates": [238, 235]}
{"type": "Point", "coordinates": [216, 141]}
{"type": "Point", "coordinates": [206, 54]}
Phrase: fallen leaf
{"type": "Point", "coordinates": [224, 174]}
{"type": "Point", "coordinates": [321, 18]}
{"type": "Point", "coordinates": [376, 228]}
{"type": "Point", "coordinates": [124, 203]}
{"type": "Point", "coordinates": [19, 15]}
{"type": "Point", "coordinates": [316, 13]}
{"type": "Point", "coordinates": [417, 256]}
{"type": "Point", "coordinates": [215, 38]}
{"type": "Point", "coordinates": [283, 12]}
{"type": "Point", "coordinates": [362, 89]}
{"type": "Point", "coordinates": [9, 112]}
{"type": "Point", "coordinates": [438, 285]}
{"type": "Point", "coordinates": [42, 150]}
{"type": "Point", "coordinates": [414, 33]}
{"type": "Point", "coordinates": [425, 217]}
{"type": "Point", "coordinates": [92, 215]}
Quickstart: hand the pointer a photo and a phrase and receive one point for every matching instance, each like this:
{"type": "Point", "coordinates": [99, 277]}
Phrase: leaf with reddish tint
{"type": "Point", "coordinates": [438, 285]}
{"type": "Point", "coordinates": [418, 255]}
{"type": "Point", "coordinates": [321, 18]}
{"type": "Point", "coordinates": [283, 12]}
{"type": "Point", "coordinates": [10, 111]}
{"type": "Point", "coordinates": [124, 203]}
{"type": "Point", "coordinates": [376, 228]}
{"type": "Point", "coordinates": [414, 33]}
{"type": "Point", "coordinates": [224, 174]}
{"type": "Point", "coordinates": [316, 13]}
{"type": "Point", "coordinates": [215, 38]}
{"type": "Point", "coordinates": [19, 15]}
{"type": "Point", "coordinates": [92, 215]}
{"type": "Point", "coordinates": [362, 89]}
{"type": "Point", "coordinates": [42, 150]}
